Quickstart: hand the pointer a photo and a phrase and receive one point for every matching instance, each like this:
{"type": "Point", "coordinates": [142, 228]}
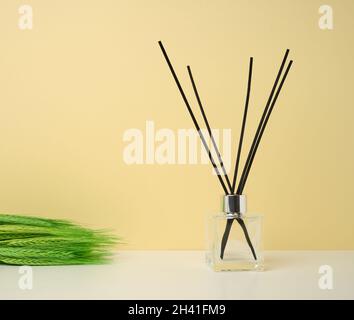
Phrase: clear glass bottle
{"type": "Point", "coordinates": [243, 238]}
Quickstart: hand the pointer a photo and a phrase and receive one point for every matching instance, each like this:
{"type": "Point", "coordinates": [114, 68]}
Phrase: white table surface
{"type": "Point", "coordinates": [184, 275]}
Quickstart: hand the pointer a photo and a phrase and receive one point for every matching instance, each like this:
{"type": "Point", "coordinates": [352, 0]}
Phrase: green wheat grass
{"type": "Point", "coordinates": [37, 241]}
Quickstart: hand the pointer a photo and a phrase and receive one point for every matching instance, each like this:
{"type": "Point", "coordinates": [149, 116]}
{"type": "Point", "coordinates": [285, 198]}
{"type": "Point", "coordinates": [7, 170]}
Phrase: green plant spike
{"type": "Point", "coordinates": [37, 241]}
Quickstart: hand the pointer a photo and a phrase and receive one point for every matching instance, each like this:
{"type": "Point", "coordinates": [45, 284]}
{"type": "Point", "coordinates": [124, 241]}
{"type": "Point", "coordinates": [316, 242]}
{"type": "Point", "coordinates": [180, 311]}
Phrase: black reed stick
{"type": "Point", "coordinates": [239, 220]}
{"type": "Point", "coordinates": [243, 125]}
{"type": "Point", "coordinates": [193, 118]}
{"type": "Point", "coordinates": [208, 127]}
{"type": "Point", "coordinates": [226, 234]}
{"type": "Point", "coordinates": [251, 155]}
{"type": "Point", "coordinates": [243, 181]}
{"type": "Point", "coordinates": [264, 114]}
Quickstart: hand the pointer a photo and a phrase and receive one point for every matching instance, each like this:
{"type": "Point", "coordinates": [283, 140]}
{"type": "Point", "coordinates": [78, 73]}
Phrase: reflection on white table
{"type": "Point", "coordinates": [184, 275]}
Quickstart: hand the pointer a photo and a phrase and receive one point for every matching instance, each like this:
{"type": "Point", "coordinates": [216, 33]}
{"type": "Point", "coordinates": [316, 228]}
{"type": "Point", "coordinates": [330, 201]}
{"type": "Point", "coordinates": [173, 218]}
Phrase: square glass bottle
{"type": "Point", "coordinates": [234, 239]}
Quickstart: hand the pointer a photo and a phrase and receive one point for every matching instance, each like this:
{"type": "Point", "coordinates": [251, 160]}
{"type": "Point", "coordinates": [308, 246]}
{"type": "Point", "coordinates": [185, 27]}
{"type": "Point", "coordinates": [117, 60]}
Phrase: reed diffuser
{"type": "Point", "coordinates": [230, 248]}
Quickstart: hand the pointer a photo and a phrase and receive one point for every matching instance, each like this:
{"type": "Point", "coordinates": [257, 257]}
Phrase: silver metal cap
{"type": "Point", "coordinates": [234, 204]}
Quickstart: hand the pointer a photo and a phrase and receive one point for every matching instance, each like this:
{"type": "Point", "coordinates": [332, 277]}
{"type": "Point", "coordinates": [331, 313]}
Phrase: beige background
{"type": "Point", "coordinates": [89, 70]}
